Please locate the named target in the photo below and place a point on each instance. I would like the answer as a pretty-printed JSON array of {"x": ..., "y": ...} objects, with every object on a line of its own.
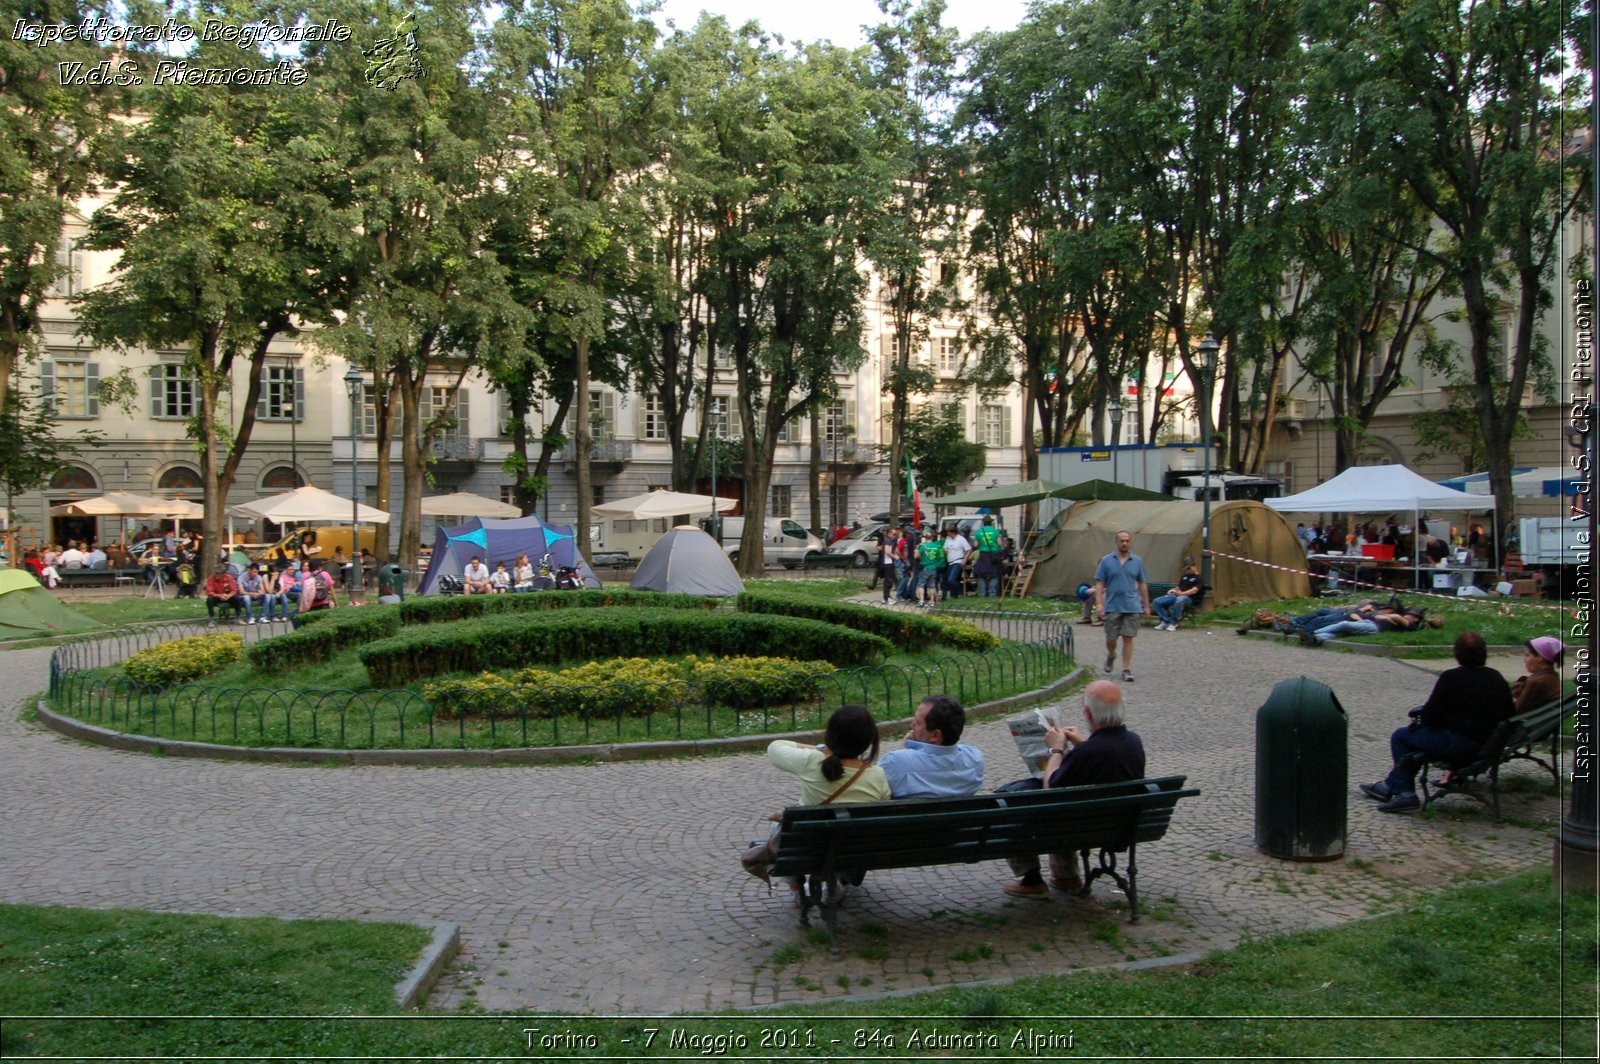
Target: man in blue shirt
[
  {"x": 1123, "y": 592},
  {"x": 934, "y": 763}
]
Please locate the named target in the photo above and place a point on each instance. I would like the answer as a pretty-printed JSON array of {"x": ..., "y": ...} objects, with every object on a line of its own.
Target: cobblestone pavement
[{"x": 614, "y": 887}]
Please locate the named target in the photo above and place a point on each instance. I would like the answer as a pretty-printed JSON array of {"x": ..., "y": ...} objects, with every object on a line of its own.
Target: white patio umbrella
[
  {"x": 466, "y": 504},
  {"x": 664, "y": 504},
  {"x": 118, "y": 504},
  {"x": 308, "y": 505}
]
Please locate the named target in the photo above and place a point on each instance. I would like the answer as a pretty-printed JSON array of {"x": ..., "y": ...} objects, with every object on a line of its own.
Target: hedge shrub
[
  {"x": 322, "y": 634},
  {"x": 183, "y": 659},
  {"x": 911, "y": 632},
  {"x": 632, "y": 686},
  {"x": 437, "y": 610},
  {"x": 508, "y": 641}
]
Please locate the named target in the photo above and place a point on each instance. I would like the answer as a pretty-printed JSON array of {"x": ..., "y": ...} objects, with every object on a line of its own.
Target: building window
[
  {"x": 73, "y": 386},
  {"x": 171, "y": 391},
  {"x": 281, "y": 478},
  {"x": 653, "y": 419},
  {"x": 602, "y": 415},
  {"x": 782, "y": 501},
  {"x": 69, "y": 267},
  {"x": 179, "y": 478},
  {"x": 508, "y": 494},
  {"x": 282, "y": 394},
  {"x": 435, "y": 400},
  {"x": 74, "y": 478},
  {"x": 994, "y": 425},
  {"x": 949, "y": 355},
  {"x": 838, "y": 421},
  {"x": 719, "y": 417},
  {"x": 953, "y": 411}
]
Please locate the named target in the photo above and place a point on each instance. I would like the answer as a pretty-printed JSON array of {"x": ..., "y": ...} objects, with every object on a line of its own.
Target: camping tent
[
  {"x": 501, "y": 541},
  {"x": 1164, "y": 533},
  {"x": 26, "y": 608},
  {"x": 1035, "y": 490},
  {"x": 688, "y": 562}
]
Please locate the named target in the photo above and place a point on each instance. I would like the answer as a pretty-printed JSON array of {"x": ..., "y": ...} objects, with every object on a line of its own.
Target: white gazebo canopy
[
  {"x": 666, "y": 504},
  {"x": 307, "y": 505}
]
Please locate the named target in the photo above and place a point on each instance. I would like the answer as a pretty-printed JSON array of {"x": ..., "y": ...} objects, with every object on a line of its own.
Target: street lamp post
[
  {"x": 1208, "y": 353},
  {"x": 1116, "y": 436},
  {"x": 352, "y": 388}
]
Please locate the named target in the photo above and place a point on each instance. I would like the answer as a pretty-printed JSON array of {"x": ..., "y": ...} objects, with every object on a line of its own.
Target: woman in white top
[
  {"x": 522, "y": 574},
  {"x": 844, "y": 761}
]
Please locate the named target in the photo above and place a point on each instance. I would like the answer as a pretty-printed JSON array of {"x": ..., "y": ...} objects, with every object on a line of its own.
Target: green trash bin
[
  {"x": 1302, "y": 772},
  {"x": 391, "y": 581}
]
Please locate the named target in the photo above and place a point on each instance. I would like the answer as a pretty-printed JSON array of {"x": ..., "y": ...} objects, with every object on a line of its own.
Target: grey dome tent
[{"x": 688, "y": 562}]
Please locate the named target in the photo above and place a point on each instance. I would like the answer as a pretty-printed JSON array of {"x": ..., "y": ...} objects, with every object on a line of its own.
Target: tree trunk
[
  {"x": 383, "y": 396},
  {"x": 814, "y": 471},
  {"x": 413, "y": 444},
  {"x": 581, "y": 444}
]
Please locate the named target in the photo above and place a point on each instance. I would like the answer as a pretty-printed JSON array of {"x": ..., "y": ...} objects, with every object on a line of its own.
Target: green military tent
[{"x": 27, "y": 609}]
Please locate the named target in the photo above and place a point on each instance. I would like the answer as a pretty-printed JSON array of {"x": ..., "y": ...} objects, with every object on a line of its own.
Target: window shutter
[
  {"x": 91, "y": 387},
  {"x": 1005, "y": 426},
  {"x": 47, "y": 383},
  {"x": 75, "y": 262},
  {"x": 641, "y": 417},
  {"x": 299, "y": 394},
  {"x": 463, "y": 412},
  {"x": 849, "y": 425},
  {"x": 156, "y": 377},
  {"x": 266, "y": 391}
]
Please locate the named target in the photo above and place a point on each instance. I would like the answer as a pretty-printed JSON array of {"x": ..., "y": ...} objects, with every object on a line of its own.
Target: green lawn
[{"x": 1485, "y": 972}]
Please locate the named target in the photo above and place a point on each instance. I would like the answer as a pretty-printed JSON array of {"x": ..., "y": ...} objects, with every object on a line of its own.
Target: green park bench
[
  {"x": 824, "y": 844},
  {"x": 1512, "y": 740}
]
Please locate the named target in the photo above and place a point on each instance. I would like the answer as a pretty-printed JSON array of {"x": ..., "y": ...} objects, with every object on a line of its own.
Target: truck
[
  {"x": 1554, "y": 547},
  {"x": 1175, "y": 469}
]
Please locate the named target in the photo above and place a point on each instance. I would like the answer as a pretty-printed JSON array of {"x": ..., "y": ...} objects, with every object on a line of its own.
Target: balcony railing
[
  {"x": 600, "y": 451},
  {"x": 454, "y": 449}
]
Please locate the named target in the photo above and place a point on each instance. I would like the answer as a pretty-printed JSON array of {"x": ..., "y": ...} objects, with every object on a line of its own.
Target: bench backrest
[
  {"x": 1535, "y": 726},
  {"x": 923, "y": 831}
]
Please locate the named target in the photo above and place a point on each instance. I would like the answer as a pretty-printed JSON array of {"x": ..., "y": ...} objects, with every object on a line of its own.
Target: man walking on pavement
[{"x": 1123, "y": 593}]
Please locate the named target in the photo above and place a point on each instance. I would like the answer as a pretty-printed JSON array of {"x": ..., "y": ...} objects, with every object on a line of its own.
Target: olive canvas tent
[
  {"x": 1243, "y": 533},
  {"x": 26, "y": 608},
  {"x": 686, "y": 561}
]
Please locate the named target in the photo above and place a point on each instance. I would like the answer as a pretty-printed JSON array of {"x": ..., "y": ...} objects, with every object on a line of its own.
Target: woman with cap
[{"x": 1542, "y": 683}]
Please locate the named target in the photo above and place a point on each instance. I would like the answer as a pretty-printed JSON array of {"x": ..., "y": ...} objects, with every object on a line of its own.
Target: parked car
[
  {"x": 857, "y": 548},
  {"x": 784, "y": 540}
]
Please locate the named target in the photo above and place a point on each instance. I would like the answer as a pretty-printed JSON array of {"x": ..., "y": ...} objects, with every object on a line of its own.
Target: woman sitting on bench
[{"x": 1542, "y": 683}]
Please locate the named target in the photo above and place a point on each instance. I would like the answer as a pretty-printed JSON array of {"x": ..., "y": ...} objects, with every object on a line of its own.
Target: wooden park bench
[
  {"x": 824, "y": 844},
  {"x": 1511, "y": 740}
]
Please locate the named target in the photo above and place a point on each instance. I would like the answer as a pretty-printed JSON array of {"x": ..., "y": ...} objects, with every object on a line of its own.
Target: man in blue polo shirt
[
  {"x": 934, "y": 763},
  {"x": 1123, "y": 592}
]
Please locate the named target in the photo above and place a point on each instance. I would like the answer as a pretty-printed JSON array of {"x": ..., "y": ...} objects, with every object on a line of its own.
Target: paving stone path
[{"x": 614, "y": 888}]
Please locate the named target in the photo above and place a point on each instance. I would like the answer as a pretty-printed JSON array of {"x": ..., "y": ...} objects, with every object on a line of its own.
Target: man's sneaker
[
  {"x": 1111, "y": 661},
  {"x": 1378, "y": 792},
  {"x": 1127, "y": 676},
  {"x": 1401, "y": 803},
  {"x": 1307, "y": 638}
]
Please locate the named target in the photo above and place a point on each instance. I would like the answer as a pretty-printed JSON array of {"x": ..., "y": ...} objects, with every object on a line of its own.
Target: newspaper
[{"x": 1027, "y": 731}]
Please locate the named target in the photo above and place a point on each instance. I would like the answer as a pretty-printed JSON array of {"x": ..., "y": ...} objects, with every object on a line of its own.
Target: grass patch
[
  {"x": 1530, "y": 952},
  {"x": 141, "y": 610}
]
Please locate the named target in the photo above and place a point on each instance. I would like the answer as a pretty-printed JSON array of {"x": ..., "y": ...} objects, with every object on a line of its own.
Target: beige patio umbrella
[
  {"x": 115, "y": 504},
  {"x": 466, "y": 504},
  {"x": 665, "y": 504},
  {"x": 308, "y": 505}
]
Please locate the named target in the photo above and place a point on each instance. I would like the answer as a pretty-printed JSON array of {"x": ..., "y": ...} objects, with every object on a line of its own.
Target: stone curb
[
  {"x": 413, "y": 990},
  {"x": 145, "y": 744}
]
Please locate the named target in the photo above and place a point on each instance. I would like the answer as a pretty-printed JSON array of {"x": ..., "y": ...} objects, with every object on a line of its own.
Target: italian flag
[{"x": 913, "y": 496}]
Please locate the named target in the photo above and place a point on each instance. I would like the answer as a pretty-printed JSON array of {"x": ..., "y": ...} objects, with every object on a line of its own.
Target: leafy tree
[
  {"x": 913, "y": 63},
  {"x": 1478, "y": 102},
  {"x": 30, "y": 451},
  {"x": 50, "y": 155},
  {"x": 226, "y": 215},
  {"x": 425, "y": 156},
  {"x": 572, "y": 70},
  {"x": 939, "y": 449}
]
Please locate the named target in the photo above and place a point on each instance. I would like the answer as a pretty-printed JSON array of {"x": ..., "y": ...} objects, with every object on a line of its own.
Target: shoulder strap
[{"x": 845, "y": 786}]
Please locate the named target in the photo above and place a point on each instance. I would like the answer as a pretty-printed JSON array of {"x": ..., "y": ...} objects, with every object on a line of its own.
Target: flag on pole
[{"x": 913, "y": 496}]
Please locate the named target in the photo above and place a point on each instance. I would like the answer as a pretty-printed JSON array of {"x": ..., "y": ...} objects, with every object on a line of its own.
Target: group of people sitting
[
  {"x": 934, "y": 763},
  {"x": 478, "y": 579},
  {"x": 269, "y": 591},
  {"x": 48, "y": 564},
  {"x": 925, "y": 567}
]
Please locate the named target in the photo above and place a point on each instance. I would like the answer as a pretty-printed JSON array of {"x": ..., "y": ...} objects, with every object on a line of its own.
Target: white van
[{"x": 784, "y": 540}]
